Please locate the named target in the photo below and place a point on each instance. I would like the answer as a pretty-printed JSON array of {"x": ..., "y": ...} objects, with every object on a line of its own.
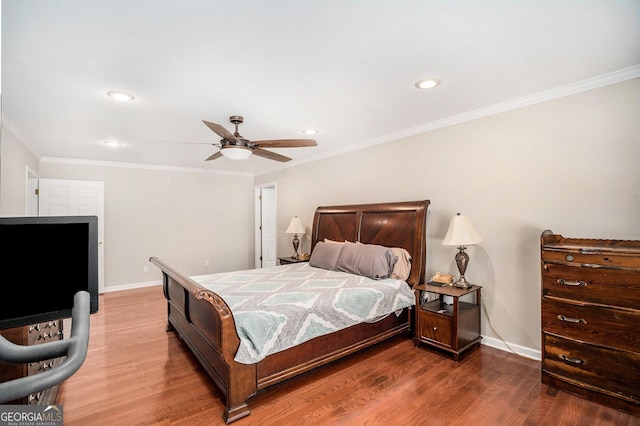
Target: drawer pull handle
[
  {"x": 572, "y": 283},
  {"x": 573, "y": 320},
  {"x": 588, "y": 251},
  {"x": 576, "y": 361}
]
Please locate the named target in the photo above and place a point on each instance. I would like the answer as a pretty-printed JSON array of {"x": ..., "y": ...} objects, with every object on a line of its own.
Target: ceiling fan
[{"x": 236, "y": 147}]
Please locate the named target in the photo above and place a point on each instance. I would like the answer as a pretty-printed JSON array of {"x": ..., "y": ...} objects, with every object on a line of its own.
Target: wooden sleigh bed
[{"x": 206, "y": 324}]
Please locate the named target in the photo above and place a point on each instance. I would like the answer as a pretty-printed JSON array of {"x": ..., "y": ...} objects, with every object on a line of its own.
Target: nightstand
[
  {"x": 451, "y": 327},
  {"x": 289, "y": 260}
]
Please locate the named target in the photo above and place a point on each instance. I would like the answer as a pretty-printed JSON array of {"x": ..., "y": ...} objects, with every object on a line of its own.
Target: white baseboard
[
  {"x": 512, "y": 347},
  {"x": 131, "y": 286}
]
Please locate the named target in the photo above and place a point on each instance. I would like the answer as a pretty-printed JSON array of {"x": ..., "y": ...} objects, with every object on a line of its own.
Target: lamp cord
[{"x": 484, "y": 308}]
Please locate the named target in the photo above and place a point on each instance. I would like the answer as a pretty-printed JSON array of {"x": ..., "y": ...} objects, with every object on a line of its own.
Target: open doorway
[{"x": 266, "y": 224}]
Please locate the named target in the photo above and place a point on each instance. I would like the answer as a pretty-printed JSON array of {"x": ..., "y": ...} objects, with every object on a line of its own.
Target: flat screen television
[{"x": 44, "y": 262}]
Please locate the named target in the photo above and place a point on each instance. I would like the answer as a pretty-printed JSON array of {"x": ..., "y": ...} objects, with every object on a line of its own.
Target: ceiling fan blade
[
  {"x": 192, "y": 143},
  {"x": 270, "y": 155},
  {"x": 285, "y": 143},
  {"x": 214, "y": 156},
  {"x": 221, "y": 131}
]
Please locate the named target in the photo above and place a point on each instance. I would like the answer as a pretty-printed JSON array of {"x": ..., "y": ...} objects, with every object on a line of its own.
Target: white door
[
  {"x": 75, "y": 198},
  {"x": 32, "y": 192},
  {"x": 266, "y": 227}
]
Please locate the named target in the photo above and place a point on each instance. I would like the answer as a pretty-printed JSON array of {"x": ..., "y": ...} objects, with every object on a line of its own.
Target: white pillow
[{"x": 402, "y": 269}]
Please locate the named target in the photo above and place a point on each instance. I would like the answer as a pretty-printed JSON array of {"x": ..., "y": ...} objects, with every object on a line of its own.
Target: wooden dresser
[
  {"x": 32, "y": 335},
  {"x": 591, "y": 319}
]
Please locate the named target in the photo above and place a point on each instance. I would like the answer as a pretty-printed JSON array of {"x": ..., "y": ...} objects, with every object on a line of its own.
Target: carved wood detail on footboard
[{"x": 205, "y": 323}]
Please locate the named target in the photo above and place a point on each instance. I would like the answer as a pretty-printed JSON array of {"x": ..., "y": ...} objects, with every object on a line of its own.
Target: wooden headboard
[{"x": 401, "y": 224}]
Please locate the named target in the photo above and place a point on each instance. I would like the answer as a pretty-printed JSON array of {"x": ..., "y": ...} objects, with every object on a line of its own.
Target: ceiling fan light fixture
[
  {"x": 121, "y": 96},
  {"x": 236, "y": 152},
  {"x": 427, "y": 84}
]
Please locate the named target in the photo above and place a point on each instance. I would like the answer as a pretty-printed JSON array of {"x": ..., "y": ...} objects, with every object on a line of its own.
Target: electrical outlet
[{"x": 145, "y": 269}]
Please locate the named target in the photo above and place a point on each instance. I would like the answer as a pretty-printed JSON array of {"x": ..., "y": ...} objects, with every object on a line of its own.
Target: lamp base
[
  {"x": 462, "y": 283},
  {"x": 462, "y": 260},
  {"x": 296, "y": 244}
]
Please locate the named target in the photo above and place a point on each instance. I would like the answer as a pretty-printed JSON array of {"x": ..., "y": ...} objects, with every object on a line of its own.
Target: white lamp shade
[
  {"x": 295, "y": 226},
  {"x": 461, "y": 232},
  {"x": 236, "y": 153}
]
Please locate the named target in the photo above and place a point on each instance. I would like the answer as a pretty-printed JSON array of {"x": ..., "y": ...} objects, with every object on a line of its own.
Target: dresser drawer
[
  {"x": 593, "y": 366},
  {"x": 592, "y": 257},
  {"x": 593, "y": 324},
  {"x": 34, "y": 334},
  {"x": 44, "y": 332},
  {"x": 42, "y": 366},
  {"x": 592, "y": 285}
]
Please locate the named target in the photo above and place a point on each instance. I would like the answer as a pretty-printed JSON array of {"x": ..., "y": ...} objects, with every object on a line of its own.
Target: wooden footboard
[{"x": 205, "y": 323}]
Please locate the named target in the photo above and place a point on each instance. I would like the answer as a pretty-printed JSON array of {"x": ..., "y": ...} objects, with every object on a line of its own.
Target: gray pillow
[
  {"x": 369, "y": 260},
  {"x": 325, "y": 255}
]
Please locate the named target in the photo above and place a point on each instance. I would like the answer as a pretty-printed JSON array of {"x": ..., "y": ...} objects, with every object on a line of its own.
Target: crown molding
[
  {"x": 619, "y": 76},
  {"x": 80, "y": 162},
  {"x": 9, "y": 126}
]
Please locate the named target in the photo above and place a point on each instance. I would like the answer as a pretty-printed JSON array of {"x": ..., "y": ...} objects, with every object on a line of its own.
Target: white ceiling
[{"x": 344, "y": 67}]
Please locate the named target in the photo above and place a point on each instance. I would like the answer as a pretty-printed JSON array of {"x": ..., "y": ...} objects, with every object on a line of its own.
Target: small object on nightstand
[
  {"x": 452, "y": 327},
  {"x": 440, "y": 279},
  {"x": 304, "y": 257}
]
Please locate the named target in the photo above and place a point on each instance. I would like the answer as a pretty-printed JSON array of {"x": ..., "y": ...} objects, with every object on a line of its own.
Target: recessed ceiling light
[
  {"x": 121, "y": 96},
  {"x": 310, "y": 132},
  {"x": 113, "y": 143},
  {"x": 427, "y": 84}
]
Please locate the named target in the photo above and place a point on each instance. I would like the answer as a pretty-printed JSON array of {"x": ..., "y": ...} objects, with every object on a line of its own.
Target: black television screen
[{"x": 45, "y": 261}]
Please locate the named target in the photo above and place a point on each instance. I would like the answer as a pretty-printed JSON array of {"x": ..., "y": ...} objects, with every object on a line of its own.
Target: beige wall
[
  {"x": 186, "y": 218},
  {"x": 15, "y": 158},
  {"x": 571, "y": 165}
]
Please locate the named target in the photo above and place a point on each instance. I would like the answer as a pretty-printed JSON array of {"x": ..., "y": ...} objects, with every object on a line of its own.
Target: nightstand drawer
[{"x": 436, "y": 327}]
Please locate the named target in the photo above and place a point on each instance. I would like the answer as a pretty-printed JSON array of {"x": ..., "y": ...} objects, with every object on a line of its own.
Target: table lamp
[
  {"x": 461, "y": 233},
  {"x": 295, "y": 228}
]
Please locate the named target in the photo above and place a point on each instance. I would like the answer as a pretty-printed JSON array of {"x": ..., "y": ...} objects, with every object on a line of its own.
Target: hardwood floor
[{"x": 136, "y": 373}]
